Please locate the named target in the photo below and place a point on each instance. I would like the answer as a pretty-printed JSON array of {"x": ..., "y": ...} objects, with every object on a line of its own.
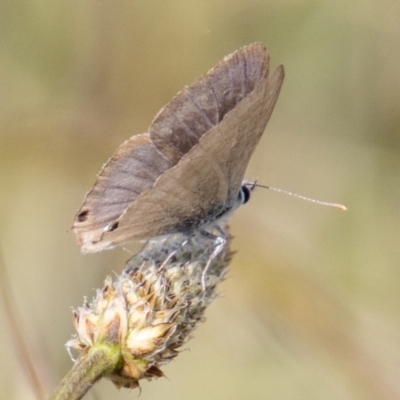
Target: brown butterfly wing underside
[{"x": 189, "y": 168}]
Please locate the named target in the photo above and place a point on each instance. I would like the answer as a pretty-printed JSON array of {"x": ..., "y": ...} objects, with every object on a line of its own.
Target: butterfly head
[{"x": 245, "y": 191}]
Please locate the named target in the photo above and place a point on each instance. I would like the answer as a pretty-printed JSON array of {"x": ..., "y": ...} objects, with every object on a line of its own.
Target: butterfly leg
[{"x": 219, "y": 244}]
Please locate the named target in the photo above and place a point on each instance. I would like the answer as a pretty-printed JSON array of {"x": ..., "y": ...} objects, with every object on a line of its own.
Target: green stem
[{"x": 98, "y": 362}]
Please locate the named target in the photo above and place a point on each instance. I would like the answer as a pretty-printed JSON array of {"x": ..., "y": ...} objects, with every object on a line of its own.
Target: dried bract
[{"x": 152, "y": 308}]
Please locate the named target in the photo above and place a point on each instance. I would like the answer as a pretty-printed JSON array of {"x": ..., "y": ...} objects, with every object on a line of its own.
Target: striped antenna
[{"x": 323, "y": 203}]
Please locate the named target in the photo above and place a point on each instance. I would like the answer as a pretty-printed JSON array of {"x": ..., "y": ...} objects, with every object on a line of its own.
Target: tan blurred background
[{"x": 311, "y": 309}]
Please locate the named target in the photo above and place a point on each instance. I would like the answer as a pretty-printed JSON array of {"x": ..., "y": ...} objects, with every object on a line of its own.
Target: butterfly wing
[
  {"x": 132, "y": 169},
  {"x": 201, "y": 106},
  {"x": 207, "y": 180},
  {"x": 250, "y": 120}
]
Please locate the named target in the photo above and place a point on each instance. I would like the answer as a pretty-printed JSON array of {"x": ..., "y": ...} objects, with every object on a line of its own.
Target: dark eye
[{"x": 244, "y": 194}]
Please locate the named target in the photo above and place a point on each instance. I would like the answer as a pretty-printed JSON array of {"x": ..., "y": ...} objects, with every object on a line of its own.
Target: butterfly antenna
[{"x": 323, "y": 203}]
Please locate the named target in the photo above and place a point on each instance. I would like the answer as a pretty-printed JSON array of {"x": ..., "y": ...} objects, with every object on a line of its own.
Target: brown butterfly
[{"x": 188, "y": 170}]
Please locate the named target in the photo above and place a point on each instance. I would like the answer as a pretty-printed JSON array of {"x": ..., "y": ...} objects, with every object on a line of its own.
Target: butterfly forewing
[
  {"x": 208, "y": 178},
  {"x": 198, "y": 108},
  {"x": 250, "y": 118}
]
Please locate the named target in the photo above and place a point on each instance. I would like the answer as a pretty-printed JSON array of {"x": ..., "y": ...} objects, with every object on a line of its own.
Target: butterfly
[{"x": 187, "y": 171}]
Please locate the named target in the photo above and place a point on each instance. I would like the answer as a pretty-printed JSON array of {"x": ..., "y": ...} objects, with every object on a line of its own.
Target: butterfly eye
[{"x": 244, "y": 194}]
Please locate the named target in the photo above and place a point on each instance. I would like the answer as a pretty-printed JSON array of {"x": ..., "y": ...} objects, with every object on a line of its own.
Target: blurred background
[{"x": 311, "y": 308}]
